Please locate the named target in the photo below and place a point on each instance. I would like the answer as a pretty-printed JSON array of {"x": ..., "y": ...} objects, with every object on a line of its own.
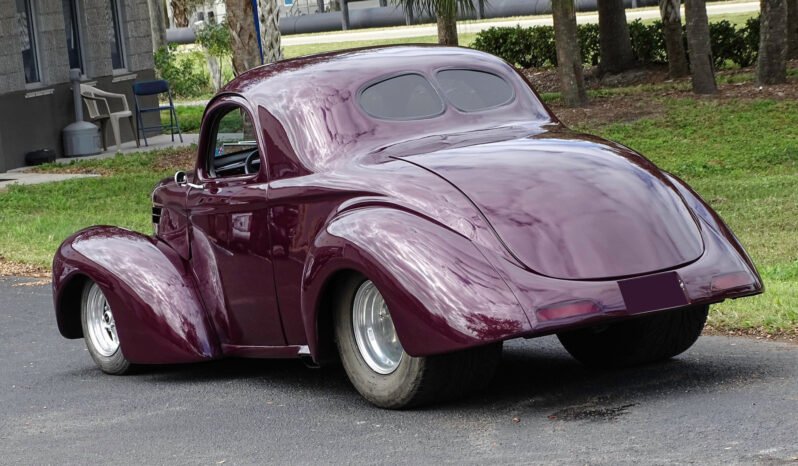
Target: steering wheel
[{"x": 249, "y": 163}]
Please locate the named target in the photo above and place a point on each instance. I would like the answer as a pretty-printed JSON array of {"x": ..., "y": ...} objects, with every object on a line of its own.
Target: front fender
[
  {"x": 442, "y": 293},
  {"x": 159, "y": 316}
]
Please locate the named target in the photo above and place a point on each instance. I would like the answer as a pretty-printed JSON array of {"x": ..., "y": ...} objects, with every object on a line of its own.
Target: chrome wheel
[
  {"x": 100, "y": 322},
  {"x": 375, "y": 334}
]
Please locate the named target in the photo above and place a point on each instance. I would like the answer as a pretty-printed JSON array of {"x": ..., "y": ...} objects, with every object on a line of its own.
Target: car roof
[
  {"x": 360, "y": 63},
  {"x": 313, "y": 98}
]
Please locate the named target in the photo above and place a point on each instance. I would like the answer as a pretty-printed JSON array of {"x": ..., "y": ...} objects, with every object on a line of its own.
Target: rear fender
[
  {"x": 159, "y": 316},
  {"x": 443, "y": 294}
]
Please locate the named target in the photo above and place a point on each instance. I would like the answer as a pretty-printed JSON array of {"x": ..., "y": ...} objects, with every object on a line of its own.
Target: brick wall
[
  {"x": 51, "y": 42},
  {"x": 12, "y": 75},
  {"x": 96, "y": 33},
  {"x": 139, "y": 38}
]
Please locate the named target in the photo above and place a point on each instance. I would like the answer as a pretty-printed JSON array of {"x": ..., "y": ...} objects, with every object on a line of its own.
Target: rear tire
[
  {"x": 99, "y": 331},
  {"x": 412, "y": 381},
  {"x": 637, "y": 341}
]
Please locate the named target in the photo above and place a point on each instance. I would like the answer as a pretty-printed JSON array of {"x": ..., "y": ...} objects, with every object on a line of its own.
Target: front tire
[
  {"x": 636, "y": 341},
  {"x": 383, "y": 372},
  {"x": 99, "y": 331}
]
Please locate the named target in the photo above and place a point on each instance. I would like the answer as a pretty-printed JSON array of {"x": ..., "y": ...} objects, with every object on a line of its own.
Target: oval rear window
[
  {"x": 405, "y": 97},
  {"x": 472, "y": 90}
]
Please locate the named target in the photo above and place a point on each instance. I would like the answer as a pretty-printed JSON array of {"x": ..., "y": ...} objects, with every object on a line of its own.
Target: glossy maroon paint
[{"x": 476, "y": 227}]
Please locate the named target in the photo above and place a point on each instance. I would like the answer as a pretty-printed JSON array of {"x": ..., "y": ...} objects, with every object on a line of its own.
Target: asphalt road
[{"x": 726, "y": 401}]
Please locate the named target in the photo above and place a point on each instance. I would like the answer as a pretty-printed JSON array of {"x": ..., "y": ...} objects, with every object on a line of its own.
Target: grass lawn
[
  {"x": 741, "y": 154},
  {"x": 742, "y": 157}
]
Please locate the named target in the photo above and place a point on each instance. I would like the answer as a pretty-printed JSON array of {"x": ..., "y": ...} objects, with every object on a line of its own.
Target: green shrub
[
  {"x": 534, "y": 47},
  {"x": 648, "y": 42},
  {"x": 186, "y": 71},
  {"x": 589, "y": 43},
  {"x": 524, "y": 47}
]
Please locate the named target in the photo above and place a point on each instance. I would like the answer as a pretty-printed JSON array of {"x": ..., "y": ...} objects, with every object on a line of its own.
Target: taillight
[
  {"x": 567, "y": 309},
  {"x": 730, "y": 281}
]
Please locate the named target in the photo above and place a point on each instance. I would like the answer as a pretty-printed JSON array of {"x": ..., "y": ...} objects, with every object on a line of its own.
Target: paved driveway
[{"x": 727, "y": 400}]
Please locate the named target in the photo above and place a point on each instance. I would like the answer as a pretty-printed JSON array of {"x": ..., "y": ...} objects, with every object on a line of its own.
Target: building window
[
  {"x": 72, "y": 28},
  {"x": 117, "y": 46},
  {"x": 27, "y": 34}
]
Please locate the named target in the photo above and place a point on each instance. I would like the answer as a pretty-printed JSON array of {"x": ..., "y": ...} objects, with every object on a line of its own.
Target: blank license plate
[{"x": 661, "y": 291}]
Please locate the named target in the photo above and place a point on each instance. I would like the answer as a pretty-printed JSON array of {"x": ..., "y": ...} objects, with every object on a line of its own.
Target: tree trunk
[
  {"x": 792, "y": 29},
  {"x": 157, "y": 24},
  {"x": 270, "y": 31},
  {"x": 179, "y": 13},
  {"x": 446, "y": 14},
  {"x": 771, "y": 66},
  {"x": 244, "y": 38},
  {"x": 674, "y": 44},
  {"x": 695, "y": 12},
  {"x": 569, "y": 60},
  {"x": 615, "y": 44}
]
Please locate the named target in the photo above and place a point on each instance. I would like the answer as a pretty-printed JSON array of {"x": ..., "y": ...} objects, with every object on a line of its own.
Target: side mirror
[{"x": 181, "y": 179}]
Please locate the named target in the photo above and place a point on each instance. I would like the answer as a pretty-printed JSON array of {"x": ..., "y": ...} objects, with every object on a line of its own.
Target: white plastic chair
[{"x": 93, "y": 97}]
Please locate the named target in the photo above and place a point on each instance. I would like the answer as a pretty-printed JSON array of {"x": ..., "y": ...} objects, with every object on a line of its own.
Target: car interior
[{"x": 235, "y": 148}]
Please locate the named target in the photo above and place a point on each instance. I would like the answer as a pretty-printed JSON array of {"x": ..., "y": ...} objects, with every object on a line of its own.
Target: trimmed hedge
[{"x": 533, "y": 47}]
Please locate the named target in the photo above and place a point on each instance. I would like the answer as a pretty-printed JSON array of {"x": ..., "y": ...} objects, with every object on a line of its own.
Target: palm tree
[
  {"x": 243, "y": 37},
  {"x": 445, "y": 12},
  {"x": 771, "y": 66},
  {"x": 698, "y": 44},
  {"x": 615, "y": 45},
  {"x": 569, "y": 59},
  {"x": 270, "y": 30},
  {"x": 674, "y": 43}
]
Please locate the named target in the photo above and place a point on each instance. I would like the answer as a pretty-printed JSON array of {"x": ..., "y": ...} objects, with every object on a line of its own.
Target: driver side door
[{"x": 229, "y": 235}]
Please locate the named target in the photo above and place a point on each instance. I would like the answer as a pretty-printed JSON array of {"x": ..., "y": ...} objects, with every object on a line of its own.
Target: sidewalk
[{"x": 161, "y": 141}]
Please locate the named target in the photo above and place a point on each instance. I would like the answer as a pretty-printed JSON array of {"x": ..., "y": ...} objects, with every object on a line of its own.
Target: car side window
[{"x": 234, "y": 147}]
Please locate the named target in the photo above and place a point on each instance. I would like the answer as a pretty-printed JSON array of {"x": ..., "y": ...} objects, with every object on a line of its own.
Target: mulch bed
[{"x": 627, "y": 108}]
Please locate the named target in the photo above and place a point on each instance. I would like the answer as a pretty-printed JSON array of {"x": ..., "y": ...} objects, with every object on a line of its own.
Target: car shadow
[{"x": 531, "y": 376}]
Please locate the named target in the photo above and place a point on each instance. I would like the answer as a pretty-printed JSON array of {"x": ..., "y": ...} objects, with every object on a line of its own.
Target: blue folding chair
[{"x": 155, "y": 87}]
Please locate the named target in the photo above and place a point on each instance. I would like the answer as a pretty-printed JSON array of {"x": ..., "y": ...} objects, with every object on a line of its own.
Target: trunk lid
[{"x": 571, "y": 206}]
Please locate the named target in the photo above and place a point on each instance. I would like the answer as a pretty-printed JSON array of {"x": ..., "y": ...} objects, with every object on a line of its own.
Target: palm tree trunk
[
  {"x": 446, "y": 17},
  {"x": 792, "y": 29},
  {"x": 771, "y": 67},
  {"x": 179, "y": 13},
  {"x": 569, "y": 60},
  {"x": 241, "y": 23},
  {"x": 157, "y": 24},
  {"x": 615, "y": 45},
  {"x": 270, "y": 31},
  {"x": 695, "y": 12},
  {"x": 674, "y": 43}
]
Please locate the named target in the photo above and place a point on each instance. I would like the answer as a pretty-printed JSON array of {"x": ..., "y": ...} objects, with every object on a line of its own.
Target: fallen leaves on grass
[
  {"x": 15, "y": 269},
  {"x": 759, "y": 333}
]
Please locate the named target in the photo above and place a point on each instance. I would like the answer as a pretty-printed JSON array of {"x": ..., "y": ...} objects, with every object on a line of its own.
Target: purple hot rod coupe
[{"x": 405, "y": 210}]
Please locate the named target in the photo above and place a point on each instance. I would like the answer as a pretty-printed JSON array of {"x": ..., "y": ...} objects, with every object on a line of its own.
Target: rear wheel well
[
  {"x": 325, "y": 326},
  {"x": 69, "y": 306}
]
